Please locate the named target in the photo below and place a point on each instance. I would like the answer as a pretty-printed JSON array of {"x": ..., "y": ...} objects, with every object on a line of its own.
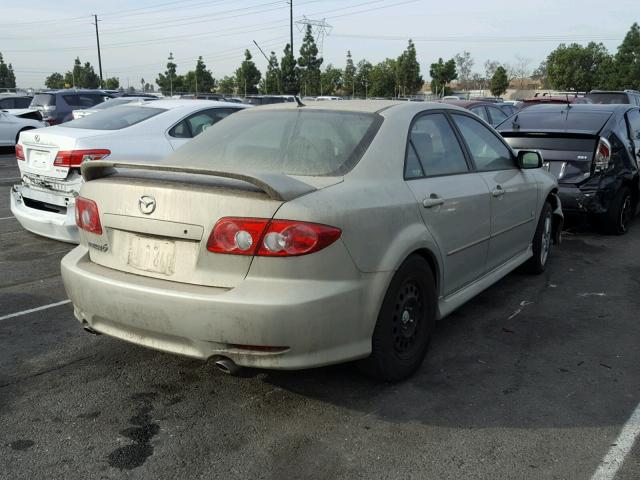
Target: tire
[
  {"x": 405, "y": 323},
  {"x": 620, "y": 213},
  {"x": 542, "y": 241}
]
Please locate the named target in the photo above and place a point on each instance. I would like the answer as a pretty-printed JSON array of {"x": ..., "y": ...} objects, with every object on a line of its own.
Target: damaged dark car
[{"x": 594, "y": 152}]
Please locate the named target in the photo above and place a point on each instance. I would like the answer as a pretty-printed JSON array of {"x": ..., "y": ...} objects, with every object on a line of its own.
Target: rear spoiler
[{"x": 278, "y": 186}]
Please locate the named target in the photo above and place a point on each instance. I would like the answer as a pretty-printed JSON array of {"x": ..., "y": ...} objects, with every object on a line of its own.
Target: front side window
[
  {"x": 197, "y": 123},
  {"x": 488, "y": 152},
  {"x": 433, "y": 149}
]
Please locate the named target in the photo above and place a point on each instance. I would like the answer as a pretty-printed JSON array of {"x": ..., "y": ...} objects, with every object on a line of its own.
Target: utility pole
[
  {"x": 95, "y": 17},
  {"x": 170, "y": 76},
  {"x": 291, "y": 26}
]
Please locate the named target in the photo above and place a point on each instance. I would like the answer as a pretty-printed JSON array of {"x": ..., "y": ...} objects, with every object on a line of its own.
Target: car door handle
[
  {"x": 432, "y": 201},
  {"x": 498, "y": 191}
]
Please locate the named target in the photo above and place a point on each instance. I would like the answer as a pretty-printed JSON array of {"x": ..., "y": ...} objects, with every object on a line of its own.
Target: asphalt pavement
[{"x": 533, "y": 379}]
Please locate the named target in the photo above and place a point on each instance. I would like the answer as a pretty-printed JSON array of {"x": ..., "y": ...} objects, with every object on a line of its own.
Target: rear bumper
[
  {"x": 589, "y": 198},
  {"x": 321, "y": 322},
  {"x": 48, "y": 224}
]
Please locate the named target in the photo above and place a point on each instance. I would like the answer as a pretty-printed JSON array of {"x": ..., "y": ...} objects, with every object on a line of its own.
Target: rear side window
[
  {"x": 497, "y": 115},
  {"x": 197, "y": 123},
  {"x": 115, "y": 118},
  {"x": 43, "y": 100},
  {"x": 22, "y": 102},
  {"x": 433, "y": 149},
  {"x": 481, "y": 112},
  {"x": 295, "y": 142},
  {"x": 7, "y": 103},
  {"x": 488, "y": 152}
]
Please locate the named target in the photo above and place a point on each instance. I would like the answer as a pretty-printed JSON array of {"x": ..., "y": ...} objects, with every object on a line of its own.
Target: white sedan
[
  {"x": 50, "y": 159},
  {"x": 11, "y": 127}
]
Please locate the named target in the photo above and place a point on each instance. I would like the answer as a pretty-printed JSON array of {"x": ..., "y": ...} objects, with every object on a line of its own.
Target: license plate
[
  {"x": 152, "y": 255},
  {"x": 39, "y": 159}
]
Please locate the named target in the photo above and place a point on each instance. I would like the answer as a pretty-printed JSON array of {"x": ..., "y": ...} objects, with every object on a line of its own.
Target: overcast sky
[{"x": 136, "y": 37}]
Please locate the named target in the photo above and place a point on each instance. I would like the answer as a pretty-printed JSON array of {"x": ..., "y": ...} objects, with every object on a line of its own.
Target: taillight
[
  {"x": 19, "y": 152},
  {"x": 87, "y": 216},
  {"x": 269, "y": 238},
  {"x": 75, "y": 158},
  {"x": 603, "y": 156}
]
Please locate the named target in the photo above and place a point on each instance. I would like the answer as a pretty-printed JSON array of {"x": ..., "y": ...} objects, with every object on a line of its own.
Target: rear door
[
  {"x": 7, "y": 129},
  {"x": 514, "y": 192},
  {"x": 453, "y": 200},
  {"x": 633, "y": 121}
]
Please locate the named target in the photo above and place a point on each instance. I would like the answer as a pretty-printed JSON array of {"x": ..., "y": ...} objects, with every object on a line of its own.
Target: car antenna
[
  {"x": 514, "y": 122},
  {"x": 568, "y": 102},
  {"x": 299, "y": 102}
]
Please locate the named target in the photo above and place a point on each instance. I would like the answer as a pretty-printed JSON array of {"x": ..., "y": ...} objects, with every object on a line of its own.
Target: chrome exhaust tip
[{"x": 228, "y": 366}]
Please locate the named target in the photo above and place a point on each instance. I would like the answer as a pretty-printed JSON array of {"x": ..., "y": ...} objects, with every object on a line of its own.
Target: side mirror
[{"x": 528, "y": 159}]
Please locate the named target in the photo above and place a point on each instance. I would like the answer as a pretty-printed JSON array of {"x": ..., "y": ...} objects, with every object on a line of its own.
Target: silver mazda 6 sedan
[{"x": 294, "y": 236}]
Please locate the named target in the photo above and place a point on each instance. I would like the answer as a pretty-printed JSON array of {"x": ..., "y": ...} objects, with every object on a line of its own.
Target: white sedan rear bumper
[{"x": 41, "y": 222}]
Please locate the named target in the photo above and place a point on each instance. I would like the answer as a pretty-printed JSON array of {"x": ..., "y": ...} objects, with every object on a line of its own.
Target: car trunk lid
[
  {"x": 569, "y": 157},
  {"x": 41, "y": 147},
  {"x": 169, "y": 240}
]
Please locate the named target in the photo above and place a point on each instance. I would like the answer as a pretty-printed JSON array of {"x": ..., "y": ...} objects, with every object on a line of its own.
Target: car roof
[
  {"x": 467, "y": 103},
  {"x": 360, "y": 106},
  {"x": 182, "y": 103},
  {"x": 578, "y": 107}
]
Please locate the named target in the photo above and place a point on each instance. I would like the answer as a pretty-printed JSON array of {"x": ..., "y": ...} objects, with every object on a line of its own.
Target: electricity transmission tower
[{"x": 319, "y": 29}]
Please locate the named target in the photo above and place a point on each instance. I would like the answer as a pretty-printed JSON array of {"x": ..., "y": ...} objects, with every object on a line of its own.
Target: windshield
[
  {"x": 294, "y": 142},
  {"x": 114, "y": 103},
  {"x": 608, "y": 98},
  {"x": 43, "y": 100},
  {"x": 115, "y": 118}
]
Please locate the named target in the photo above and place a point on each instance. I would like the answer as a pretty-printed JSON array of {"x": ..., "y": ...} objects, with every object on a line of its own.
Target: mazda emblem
[{"x": 147, "y": 204}]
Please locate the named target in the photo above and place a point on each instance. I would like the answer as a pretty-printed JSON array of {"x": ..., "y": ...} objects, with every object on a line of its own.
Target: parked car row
[{"x": 297, "y": 235}]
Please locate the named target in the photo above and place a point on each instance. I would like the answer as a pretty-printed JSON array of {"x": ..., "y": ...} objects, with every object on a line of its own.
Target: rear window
[
  {"x": 536, "y": 119},
  {"x": 294, "y": 142},
  {"x": 43, "y": 100},
  {"x": 114, "y": 103},
  {"x": 609, "y": 97},
  {"x": 115, "y": 118}
]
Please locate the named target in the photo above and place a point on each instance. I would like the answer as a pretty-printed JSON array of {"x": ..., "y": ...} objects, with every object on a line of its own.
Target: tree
[
  {"x": 204, "y": 78},
  {"x": 330, "y": 80},
  {"x": 227, "y": 85},
  {"x": 464, "y": 64},
  {"x": 247, "y": 75},
  {"x": 55, "y": 80},
  {"x": 7, "y": 77},
  {"x": 309, "y": 64},
  {"x": 627, "y": 60},
  {"x": 363, "y": 78},
  {"x": 112, "y": 83},
  {"x": 383, "y": 79},
  {"x": 521, "y": 68},
  {"x": 169, "y": 82},
  {"x": 408, "y": 71},
  {"x": 349, "y": 76},
  {"x": 290, "y": 77},
  {"x": 540, "y": 74},
  {"x": 442, "y": 73},
  {"x": 490, "y": 67},
  {"x": 578, "y": 68},
  {"x": 499, "y": 82},
  {"x": 273, "y": 77},
  {"x": 82, "y": 76}
]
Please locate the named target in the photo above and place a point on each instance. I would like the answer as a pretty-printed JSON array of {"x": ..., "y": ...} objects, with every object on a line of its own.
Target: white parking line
[
  {"x": 7, "y": 218},
  {"x": 37, "y": 309},
  {"x": 10, "y": 178},
  {"x": 620, "y": 448}
]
